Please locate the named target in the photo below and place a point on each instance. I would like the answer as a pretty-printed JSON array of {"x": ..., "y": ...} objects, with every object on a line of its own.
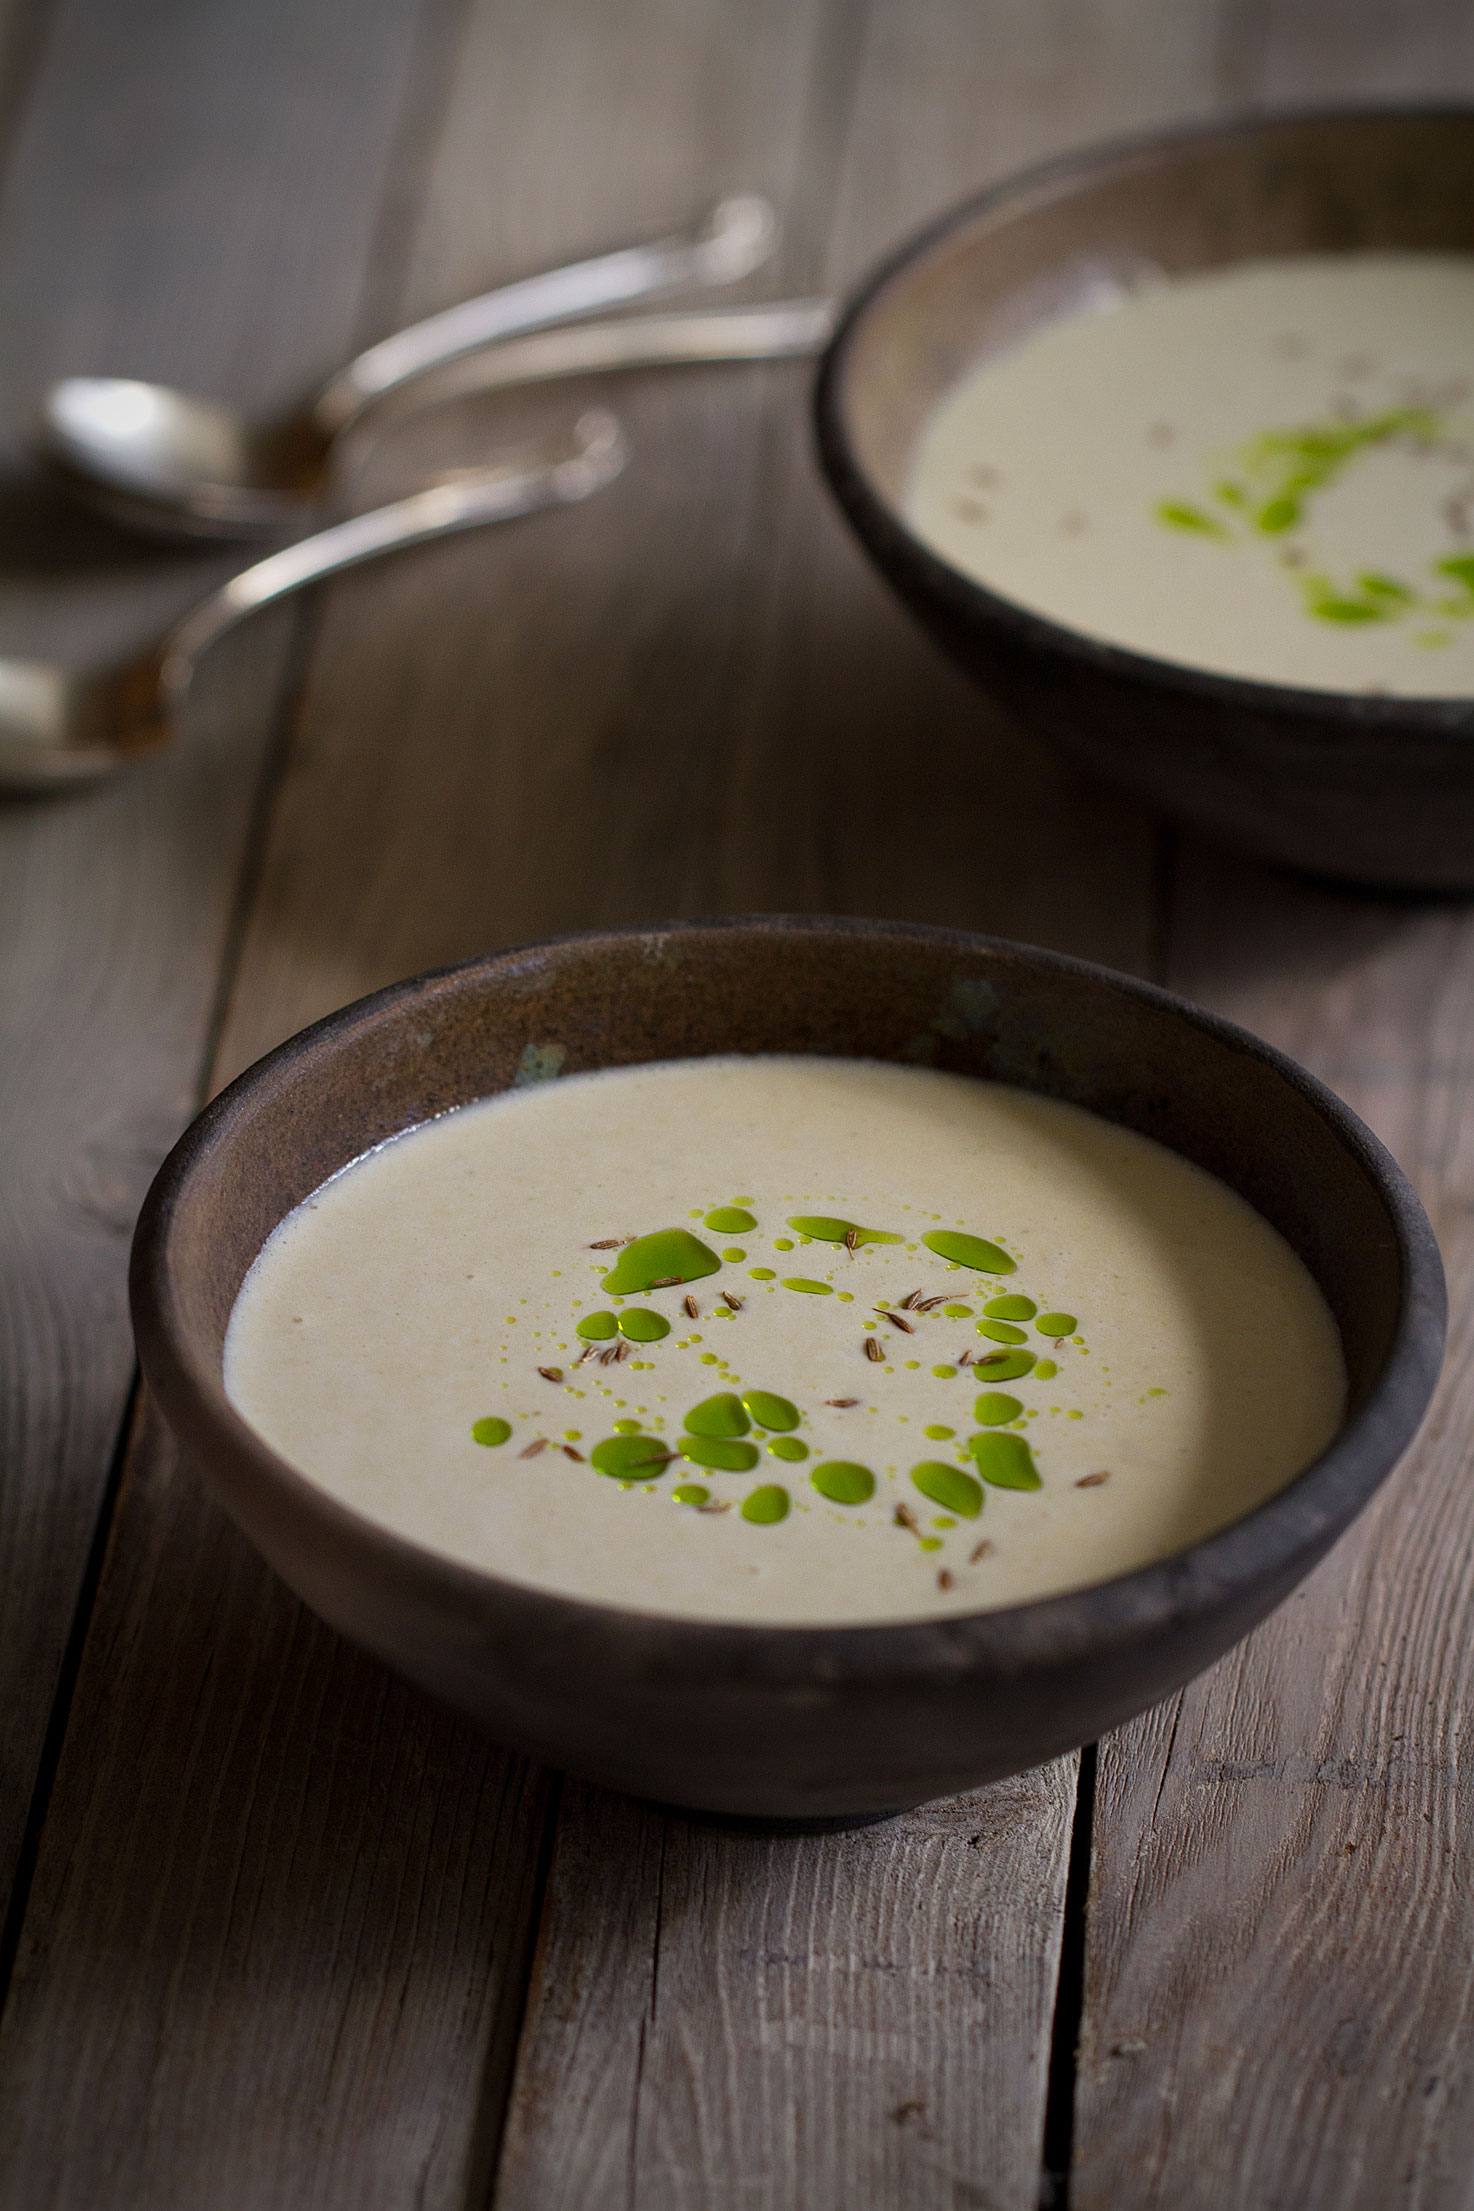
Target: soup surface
[
  {"x": 1266, "y": 472},
  {"x": 786, "y": 1339}
]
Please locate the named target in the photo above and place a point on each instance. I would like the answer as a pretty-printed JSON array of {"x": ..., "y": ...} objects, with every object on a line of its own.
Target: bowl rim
[
  {"x": 1448, "y": 714},
  {"x": 1284, "y": 1535}
]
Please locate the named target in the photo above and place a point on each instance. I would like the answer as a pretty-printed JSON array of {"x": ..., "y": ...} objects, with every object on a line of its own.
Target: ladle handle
[
  {"x": 466, "y": 500},
  {"x": 737, "y": 238}
]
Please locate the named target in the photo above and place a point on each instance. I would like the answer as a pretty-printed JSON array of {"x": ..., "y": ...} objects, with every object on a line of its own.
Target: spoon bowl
[{"x": 172, "y": 465}]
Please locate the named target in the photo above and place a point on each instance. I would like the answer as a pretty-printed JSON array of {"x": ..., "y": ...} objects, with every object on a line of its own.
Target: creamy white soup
[
  {"x": 1266, "y": 472},
  {"x": 786, "y": 1339}
]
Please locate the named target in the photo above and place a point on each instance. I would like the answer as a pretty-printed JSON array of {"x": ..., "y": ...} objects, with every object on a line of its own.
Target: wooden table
[{"x": 282, "y": 1933}]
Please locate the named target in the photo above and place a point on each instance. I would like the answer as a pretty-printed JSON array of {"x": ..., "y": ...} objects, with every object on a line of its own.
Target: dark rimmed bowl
[
  {"x": 1364, "y": 789},
  {"x": 783, "y": 1722}
]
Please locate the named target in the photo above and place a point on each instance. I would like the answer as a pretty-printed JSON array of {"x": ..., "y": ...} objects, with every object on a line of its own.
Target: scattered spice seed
[
  {"x": 983, "y": 1550},
  {"x": 895, "y": 1320},
  {"x": 904, "y": 1304},
  {"x": 851, "y": 1238},
  {"x": 586, "y": 1353},
  {"x": 964, "y": 1358},
  {"x": 657, "y": 1458},
  {"x": 734, "y": 1302},
  {"x": 714, "y": 1508},
  {"x": 906, "y": 1518},
  {"x": 570, "y": 1453},
  {"x": 1092, "y": 1481},
  {"x": 844, "y": 1403},
  {"x": 607, "y": 1358},
  {"x": 665, "y": 1282},
  {"x": 930, "y": 1304},
  {"x": 541, "y": 1444},
  {"x": 621, "y": 1351},
  {"x": 611, "y": 1243},
  {"x": 551, "y": 1374},
  {"x": 873, "y": 1350},
  {"x": 944, "y": 1579},
  {"x": 692, "y": 1308}
]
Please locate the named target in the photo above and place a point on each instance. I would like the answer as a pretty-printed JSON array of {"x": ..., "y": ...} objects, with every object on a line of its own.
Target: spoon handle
[
  {"x": 737, "y": 237},
  {"x": 466, "y": 500}
]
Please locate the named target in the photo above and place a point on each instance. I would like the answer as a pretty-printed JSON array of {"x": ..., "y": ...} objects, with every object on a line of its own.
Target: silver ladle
[
  {"x": 62, "y": 727},
  {"x": 172, "y": 464}
]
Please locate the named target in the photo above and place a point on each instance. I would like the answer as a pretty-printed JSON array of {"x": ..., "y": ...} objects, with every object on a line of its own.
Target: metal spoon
[
  {"x": 164, "y": 461},
  {"x": 60, "y": 726}
]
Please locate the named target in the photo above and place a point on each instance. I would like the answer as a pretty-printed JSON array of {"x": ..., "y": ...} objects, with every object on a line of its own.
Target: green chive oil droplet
[
  {"x": 939, "y": 1434},
  {"x": 1010, "y": 1308},
  {"x": 720, "y": 1453},
  {"x": 598, "y": 1327},
  {"x": 718, "y": 1416},
  {"x": 491, "y": 1430},
  {"x": 1056, "y": 1324},
  {"x": 968, "y": 1251},
  {"x": 788, "y": 1447},
  {"x": 1003, "y": 1366},
  {"x": 995, "y": 1407},
  {"x": 627, "y": 1427},
  {"x": 730, "y": 1220},
  {"x": 690, "y": 1493},
  {"x": 770, "y": 1411},
  {"x": 949, "y": 1487},
  {"x": 1045, "y": 1371},
  {"x": 809, "y": 1288},
  {"x": 1005, "y": 1461},
  {"x": 640, "y": 1325},
  {"x": 766, "y": 1506},
  {"x": 827, "y": 1229},
  {"x": 630, "y": 1458},
  {"x": 669, "y": 1257},
  {"x": 843, "y": 1483},
  {"x": 957, "y": 1312},
  {"x": 1001, "y": 1331}
]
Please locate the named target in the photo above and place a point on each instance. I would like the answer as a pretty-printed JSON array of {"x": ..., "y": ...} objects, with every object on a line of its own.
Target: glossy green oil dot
[
  {"x": 640, "y": 1325},
  {"x": 630, "y": 1458},
  {"x": 843, "y": 1483},
  {"x": 827, "y": 1228},
  {"x": 788, "y": 1447},
  {"x": 943, "y": 1520},
  {"x": 1046, "y": 1370},
  {"x": 770, "y": 1411},
  {"x": 1004, "y": 1460},
  {"x": 929, "y": 1542},
  {"x": 598, "y": 1327},
  {"x": 627, "y": 1427},
  {"x": 782, "y": 1243},
  {"x": 730, "y": 1220},
  {"x": 720, "y": 1453},
  {"x": 765, "y": 1506},
  {"x": 689, "y": 1493},
  {"x": 995, "y": 1407},
  {"x": 718, "y": 1416},
  {"x": 949, "y": 1487},
  {"x": 1003, "y": 1366},
  {"x": 1010, "y": 1308},
  {"x": 1056, "y": 1324},
  {"x": 735, "y": 1254},
  {"x": 710, "y": 1359},
  {"x": 761, "y": 1274},
  {"x": 846, "y": 1297},
  {"x": 1001, "y": 1331},
  {"x": 670, "y": 1256},
  {"x": 491, "y": 1430},
  {"x": 957, "y": 1312},
  {"x": 938, "y": 1433},
  {"x": 809, "y": 1287},
  {"x": 968, "y": 1251},
  {"x": 944, "y": 1374}
]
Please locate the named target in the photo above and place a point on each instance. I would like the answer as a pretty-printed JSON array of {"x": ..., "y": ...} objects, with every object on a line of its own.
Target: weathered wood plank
[
  {"x": 150, "y": 221},
  {"x": 1277, "y": 1998}
]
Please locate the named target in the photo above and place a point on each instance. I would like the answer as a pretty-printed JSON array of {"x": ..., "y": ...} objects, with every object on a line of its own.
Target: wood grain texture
[
  {"x": 828, "y": 2020},
  {"x": 149, "y": 221},
  {"x": 1277, "y": 2000}
]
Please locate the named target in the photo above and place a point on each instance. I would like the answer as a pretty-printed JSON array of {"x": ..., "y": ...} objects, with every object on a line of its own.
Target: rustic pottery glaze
[
  {"x": 1365, "y": 789},
  {"x": 788, "y": 1723}
]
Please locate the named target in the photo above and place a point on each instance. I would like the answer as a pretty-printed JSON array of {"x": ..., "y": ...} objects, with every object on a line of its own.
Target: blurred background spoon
[
  {"x": 62, "y": 727},
  {"x": 174, "y": 465}
]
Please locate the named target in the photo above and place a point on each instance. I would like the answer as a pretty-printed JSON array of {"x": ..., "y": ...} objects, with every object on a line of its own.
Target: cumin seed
[
  {"x": 905, "y": 1303},
  {"x": 895, "y": 1320},
  {"x": 905, "y": 1518},
  {"x": 570, "y": 1453},
  {"x": 551, "y": 1374},
  {"x": 983, "y": 1550},
  {"x": 1092, "y": 1481},
  {"x": 844, "y": 1403},
  {"x": 714, "y": 1508},
  {"x": 734, "y": 1302},
  {"x": 692, "y": 1307},
  {"x": 607, "y": 1358},
  {"x": 532, "y": 1450},
  {"x": 930, "y": 1304},
  {"x": 873, "y": 1350},
  {"x": 851, "y": 1238},
  {"x": 944, "y": 1579},
  {"x": 611, "y": 1243},
  {"x": 665, "y": 1282}
]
